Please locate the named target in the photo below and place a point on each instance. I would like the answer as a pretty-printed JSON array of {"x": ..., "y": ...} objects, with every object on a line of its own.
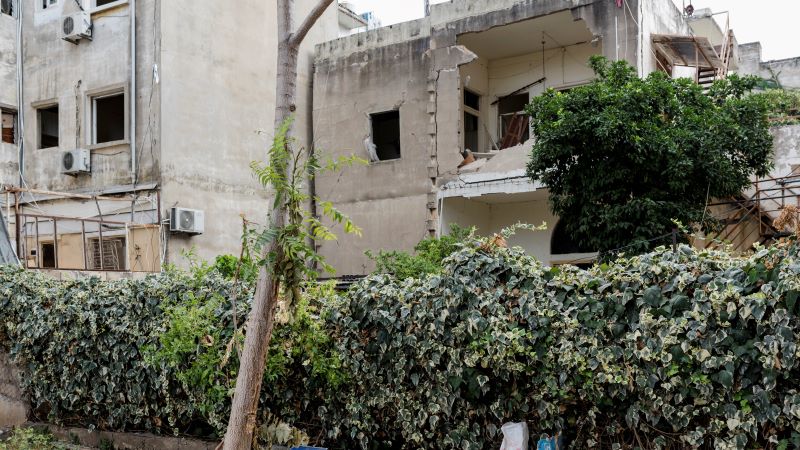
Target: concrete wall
[
  {"x": 8, "y": 92},
  {"x": 69, "y": 74},
  {"x": 786, "y": 144},
  {"x": 219, "y": 67},
  {"x": 785, "y": 71},
  {"x": 13, "y": 408},
  {"x": 419, "y": 68},
  {"x": 657, "y": 17}
]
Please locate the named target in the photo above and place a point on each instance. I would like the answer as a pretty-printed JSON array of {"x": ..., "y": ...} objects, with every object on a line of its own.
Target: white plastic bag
[{"x": 515, "y": 436}]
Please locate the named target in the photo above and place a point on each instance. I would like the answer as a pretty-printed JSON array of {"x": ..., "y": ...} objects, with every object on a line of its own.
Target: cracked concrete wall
[{"x": 219, "y": 66}]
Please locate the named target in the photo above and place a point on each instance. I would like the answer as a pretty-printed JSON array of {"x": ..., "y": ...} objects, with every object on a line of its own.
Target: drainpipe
[
  {"x": 134, "y": 176},
  {"x": 20, "y": 107}
]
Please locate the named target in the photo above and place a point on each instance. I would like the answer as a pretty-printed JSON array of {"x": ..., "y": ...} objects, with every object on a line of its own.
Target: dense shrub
[
  {"x": 665, "y": 350},
  {"x": 427, "y": 258},
  {"x": 157, "y": 354},
  {"x": 686, "y": 349}
]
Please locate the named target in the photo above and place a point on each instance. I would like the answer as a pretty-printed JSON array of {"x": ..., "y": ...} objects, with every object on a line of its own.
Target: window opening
[
  {"x": 108, "y": 118},
  {"x": 7, "y": 7},
  {"x": 386, "y": 135},
  {"x": 513, "y": 122},
  {"x": 472, "y": 100},
  {"x": 99, "y": 3},
  {"x": 113, "y": 257},
  {"x": 8, "y": 119},
  {"x": 48, "y": 3},
  {"x": 48, "y": 127}
]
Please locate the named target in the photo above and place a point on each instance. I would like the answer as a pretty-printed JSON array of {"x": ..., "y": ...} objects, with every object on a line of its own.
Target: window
[
  {"x": 48, "y": 126},
  {"x": 512, "y": 121},
  {"x": 108, "y": 118},
  {"x": 472, "y": 100},
  {"x": 7, "y": 7},
  {"x": 113, "y": 256},
  {"x": 386, "y": 135},
  {"x": 99, "y": 3},
  {"x": 48, "y": 3},
  {"x": 8, "y": 119}
]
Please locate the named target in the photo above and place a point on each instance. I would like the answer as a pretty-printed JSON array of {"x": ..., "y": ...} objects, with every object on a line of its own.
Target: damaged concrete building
[
  {"x": 436, "y": 106},
  {"x": 129, "y": 126}
]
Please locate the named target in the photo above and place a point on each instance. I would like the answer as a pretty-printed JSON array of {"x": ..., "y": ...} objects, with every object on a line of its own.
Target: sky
[{"x": 772, "y": 22}]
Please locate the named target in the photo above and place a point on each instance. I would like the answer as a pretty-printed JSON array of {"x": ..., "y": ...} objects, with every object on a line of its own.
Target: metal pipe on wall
[{"x": 134, "y": 168}]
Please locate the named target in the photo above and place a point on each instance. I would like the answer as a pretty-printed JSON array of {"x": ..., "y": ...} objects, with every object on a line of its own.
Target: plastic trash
[
  {"x": 515, "y": 436},
  {"x": 550, "y": 443}
]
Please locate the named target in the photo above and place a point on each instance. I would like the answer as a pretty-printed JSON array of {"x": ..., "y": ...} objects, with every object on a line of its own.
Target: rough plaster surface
[
  {"x": 13, "y": 409},
  {"x": 786, "y": 71}
]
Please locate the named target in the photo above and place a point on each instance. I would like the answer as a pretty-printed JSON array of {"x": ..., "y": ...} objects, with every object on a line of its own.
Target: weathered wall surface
[
  {"x": 787, "y": 150},
  {"x": 13, "y": 408},
  {"x": 219, "y": 67},
  {"x": 56, "y": 71},
  {"x": 8, "y": 92},
  {"x": 657, "y": 17},
  {"x": 388, "y": 200},
  {"x": 784, "y": 71}
]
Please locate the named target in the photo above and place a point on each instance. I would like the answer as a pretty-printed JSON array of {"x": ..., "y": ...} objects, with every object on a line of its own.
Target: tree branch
[{"x": 297, "y": 37}]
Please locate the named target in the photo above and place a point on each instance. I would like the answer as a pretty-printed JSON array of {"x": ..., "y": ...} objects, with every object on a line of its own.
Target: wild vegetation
[
  {"x": 663, "y": 350},
  {"x": 664, "y": 148}
]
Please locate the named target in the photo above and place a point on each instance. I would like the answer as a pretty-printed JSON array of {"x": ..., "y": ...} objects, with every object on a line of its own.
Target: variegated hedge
[{"x": 683, "y": 349}]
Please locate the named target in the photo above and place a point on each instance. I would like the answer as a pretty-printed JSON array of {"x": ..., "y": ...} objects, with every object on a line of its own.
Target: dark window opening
[
  {"x": 113, "y": 255},
  {"x": 386, "y": 135},
  {"x": 48, "y": 256},
  {"x": 48, "y": 3},
  {"x": 563, "y": 243},
  {"x": 471, "y": 133},
  {"x": 109, "y": 118},
  {"x": 514, "y": 127},
  {"x": 7, "y": 7},
  {"x": 48, "y": 127},
  {"x": 472, "y": 100},
  {"x": 99, "y": 3},
  {"x": 8, "y": 119}
]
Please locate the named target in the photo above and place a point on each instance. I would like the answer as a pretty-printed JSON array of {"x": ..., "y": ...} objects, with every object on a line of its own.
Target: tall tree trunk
[{"x": 241, "y": 425}]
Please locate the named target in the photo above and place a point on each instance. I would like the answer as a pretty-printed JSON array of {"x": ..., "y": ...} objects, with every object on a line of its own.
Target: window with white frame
[{"x": 108, "y": 118}]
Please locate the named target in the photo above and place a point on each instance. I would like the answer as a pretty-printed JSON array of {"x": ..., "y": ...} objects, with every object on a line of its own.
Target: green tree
[{"x": 623, "y": 157}]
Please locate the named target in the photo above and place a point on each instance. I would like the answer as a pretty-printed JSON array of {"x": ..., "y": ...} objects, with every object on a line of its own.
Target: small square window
[
  {"x": 48, "y": 3},
  {"x": 386, "y": 135},
  {"x": 48, "y": 126},
  {"x": 8, "y": 120},
  {"x": 108, "y": 118},
  {"x": 99, "y": 3}
]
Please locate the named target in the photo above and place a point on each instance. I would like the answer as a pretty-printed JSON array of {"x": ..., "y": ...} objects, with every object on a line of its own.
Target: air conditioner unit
[
  {"x": 191, "y": 221},
  {"x": 77, "y": 26},
  {"x": 76, "y": 161}
]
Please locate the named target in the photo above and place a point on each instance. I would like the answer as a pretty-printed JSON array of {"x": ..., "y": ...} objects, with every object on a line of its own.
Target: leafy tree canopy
[{"x": 623, "y": 157}]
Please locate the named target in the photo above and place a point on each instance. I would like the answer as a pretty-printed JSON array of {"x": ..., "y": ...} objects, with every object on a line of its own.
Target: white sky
[{"x": 773, "y": 22}]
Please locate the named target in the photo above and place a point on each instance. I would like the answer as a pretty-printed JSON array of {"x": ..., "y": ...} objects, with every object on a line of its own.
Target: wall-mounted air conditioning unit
[
  {"x": 76, "y": 161},
  {"x": 77, "y": 26},
  {"x": 191, "y": 221}
]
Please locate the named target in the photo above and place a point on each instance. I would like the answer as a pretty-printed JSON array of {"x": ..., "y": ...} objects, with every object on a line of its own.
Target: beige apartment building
[{"x": 129, "y": 126}]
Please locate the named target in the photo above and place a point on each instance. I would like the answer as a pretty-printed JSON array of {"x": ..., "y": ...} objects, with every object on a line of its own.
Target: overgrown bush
[
  {"x": 426, "y": 259},
  {"x": 665, "y": 350},
  {"x": 157, "y": 354},
  {"x": 686, "y": 349},
  {"x": 783, "y": 104}
]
